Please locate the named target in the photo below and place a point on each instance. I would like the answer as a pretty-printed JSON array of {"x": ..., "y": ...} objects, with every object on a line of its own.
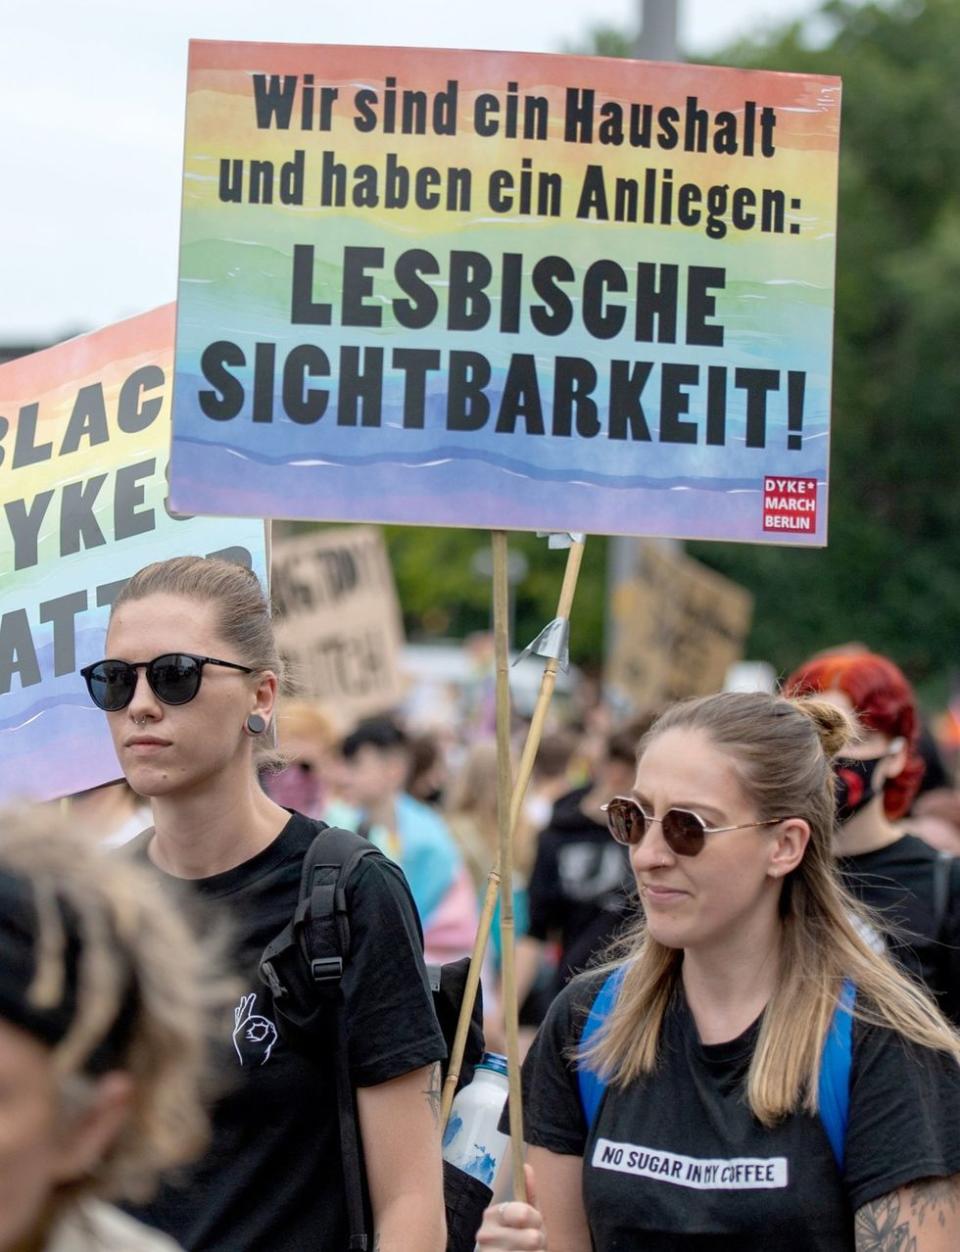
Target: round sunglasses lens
[
  {"x": 626, "y": 821},
  {"x": 111, "y": 684},
  {"x": 683, "y": 832},
  {"x": 174, "y": 679}
]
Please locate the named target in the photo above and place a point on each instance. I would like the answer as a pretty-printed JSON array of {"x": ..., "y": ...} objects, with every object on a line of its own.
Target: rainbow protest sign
[
  {"x": 520, "y": 291},
  {"x": 84, "y": 443}
]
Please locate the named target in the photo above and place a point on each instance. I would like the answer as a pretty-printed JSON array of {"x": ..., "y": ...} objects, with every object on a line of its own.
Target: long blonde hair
[
  {"x": 471, "y": 813},
  {"x": 781, "y": 751},
  {"x": 130, "y": 934}
]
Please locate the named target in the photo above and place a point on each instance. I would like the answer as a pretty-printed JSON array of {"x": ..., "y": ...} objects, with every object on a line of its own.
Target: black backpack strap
[
  {"x": 942, "y": 870},
  {"x": 325, "y": 934},
  {"x": 303, "y": 966},
  {"x": 351, "y": 1152},
  {"x": 322, "y": 916},
  {"x": 307, "y": 957}
]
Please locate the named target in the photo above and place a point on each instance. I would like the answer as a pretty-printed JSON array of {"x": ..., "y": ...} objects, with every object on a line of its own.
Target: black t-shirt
[
  {"x": 679, "y": 1158},
  {"x": 271, "y": 1179},
  {"x": 897, "y": 882},
  {"x": 581, "y": 886}
]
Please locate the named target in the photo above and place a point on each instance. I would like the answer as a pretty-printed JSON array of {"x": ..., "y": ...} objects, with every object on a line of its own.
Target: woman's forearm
[{"x": 405, "y": 1225}]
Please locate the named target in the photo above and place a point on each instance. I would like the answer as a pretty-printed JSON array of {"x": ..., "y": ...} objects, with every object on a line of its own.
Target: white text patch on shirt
[{"x": 743, "y": 1173}]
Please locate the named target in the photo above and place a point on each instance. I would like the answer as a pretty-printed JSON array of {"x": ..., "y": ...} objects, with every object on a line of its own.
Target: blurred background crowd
[
  {"x": 424, "y": 790},
  {"x": 426, "y": 794}
]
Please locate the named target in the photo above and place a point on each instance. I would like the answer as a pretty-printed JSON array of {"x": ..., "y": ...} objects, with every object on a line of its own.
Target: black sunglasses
[
  {"x": 683, "y": 832},
  {"x": 174, "y": 678}
]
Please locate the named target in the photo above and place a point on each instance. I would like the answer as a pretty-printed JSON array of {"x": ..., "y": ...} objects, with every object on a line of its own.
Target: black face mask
[{"x": 854, "y": 784}]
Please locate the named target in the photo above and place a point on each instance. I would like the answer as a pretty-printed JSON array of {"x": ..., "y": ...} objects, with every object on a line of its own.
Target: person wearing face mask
[
  {"x": 913, "y": 891},
  {"x": 305, "y": 739}
]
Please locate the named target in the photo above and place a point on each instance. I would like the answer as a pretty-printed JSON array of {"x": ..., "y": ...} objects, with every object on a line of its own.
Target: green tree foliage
[
  {"x": 608, "y": 41},
  {"x": 443, "y": 595},
  {"x": 891, "y": 573}
]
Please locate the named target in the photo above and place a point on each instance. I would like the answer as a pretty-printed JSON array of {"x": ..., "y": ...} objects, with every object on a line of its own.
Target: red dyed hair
[{"x": 883, "y": 701}]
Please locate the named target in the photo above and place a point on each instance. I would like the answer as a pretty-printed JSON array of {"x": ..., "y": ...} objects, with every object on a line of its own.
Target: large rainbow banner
[
  {"x": 84, "y": 444},
  {"x": 518, "y": 291}
]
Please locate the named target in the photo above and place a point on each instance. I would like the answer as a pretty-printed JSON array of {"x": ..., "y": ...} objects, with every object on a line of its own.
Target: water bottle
[{"x": 471, "y": 1140}]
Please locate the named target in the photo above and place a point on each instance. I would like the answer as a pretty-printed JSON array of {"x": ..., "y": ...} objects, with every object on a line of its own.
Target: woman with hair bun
[
  {"x": 106, "y": 1007},
  {"x": 750, "y": 1074},
  {"x": 914, "y": 892},
  {"x": 189, "y": 685}
]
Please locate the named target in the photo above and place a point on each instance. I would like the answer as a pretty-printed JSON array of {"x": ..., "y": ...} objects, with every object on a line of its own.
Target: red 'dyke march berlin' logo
[{"x": 790, "y": 504}]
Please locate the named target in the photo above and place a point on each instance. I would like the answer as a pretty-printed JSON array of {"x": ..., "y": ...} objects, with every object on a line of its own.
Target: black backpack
[{"x": 303, "y": 967}]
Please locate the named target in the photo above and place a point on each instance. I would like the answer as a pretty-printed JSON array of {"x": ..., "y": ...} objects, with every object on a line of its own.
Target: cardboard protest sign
[
  {"x": 680, "y": 627},
  {"x": 517, "y": 291},
  {"x": 84, "y": 443},
  {"x": 338, "y": 619}
]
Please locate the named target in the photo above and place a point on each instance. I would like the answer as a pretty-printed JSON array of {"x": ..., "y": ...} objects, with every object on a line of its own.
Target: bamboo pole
[
  {"x": 527, "y": 759},
  {"x": 504, "y": 804},
  {"x": 470, "y": 994},
  {"x": 548, "y": 682}
]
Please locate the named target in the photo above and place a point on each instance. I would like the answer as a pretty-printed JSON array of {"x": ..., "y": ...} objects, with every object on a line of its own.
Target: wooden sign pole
[
  {"x": 501, "y": 639},
  {"x": 517, "y": 793}
]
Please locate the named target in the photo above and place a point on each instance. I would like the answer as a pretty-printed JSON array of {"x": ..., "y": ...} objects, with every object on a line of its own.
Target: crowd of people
[{"x": 739, "y": 964}]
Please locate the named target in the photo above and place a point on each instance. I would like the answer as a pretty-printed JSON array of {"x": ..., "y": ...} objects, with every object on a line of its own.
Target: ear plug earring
[{"x": 255, "y": 724}]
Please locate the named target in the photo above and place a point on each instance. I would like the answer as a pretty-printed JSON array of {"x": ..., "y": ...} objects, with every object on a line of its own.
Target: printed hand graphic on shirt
[{"x": 253, "y": 1035}]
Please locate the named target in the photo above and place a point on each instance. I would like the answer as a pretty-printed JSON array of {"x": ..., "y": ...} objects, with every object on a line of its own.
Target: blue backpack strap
[
  {"x": 591, "y": 1085},
  {"x": 835, "y": 1065}
]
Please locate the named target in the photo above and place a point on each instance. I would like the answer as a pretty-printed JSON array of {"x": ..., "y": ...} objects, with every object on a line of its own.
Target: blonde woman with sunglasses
[{"x": 709, "y": 1133}]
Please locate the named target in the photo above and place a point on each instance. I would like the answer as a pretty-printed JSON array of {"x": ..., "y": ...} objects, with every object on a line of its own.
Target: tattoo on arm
[
  {"x": 883, "y": 1226},
  {"x": 434, "y": 1092},
  {"x": 878, "y": 1228},
  {"x": 935, "y": 1198}
]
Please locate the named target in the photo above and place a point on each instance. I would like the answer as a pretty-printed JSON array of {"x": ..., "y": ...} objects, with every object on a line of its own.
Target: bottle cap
[{"x": 494, "y": 1061}]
